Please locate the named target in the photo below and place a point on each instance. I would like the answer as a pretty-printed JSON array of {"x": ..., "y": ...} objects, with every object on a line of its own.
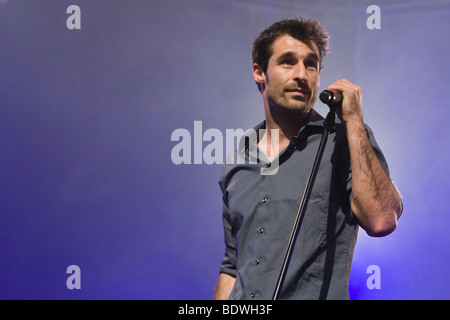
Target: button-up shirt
[{"x": 259, "y": 212}]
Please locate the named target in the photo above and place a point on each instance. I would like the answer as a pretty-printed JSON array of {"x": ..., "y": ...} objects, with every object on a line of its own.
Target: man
[{"x": 352, "y": 187}]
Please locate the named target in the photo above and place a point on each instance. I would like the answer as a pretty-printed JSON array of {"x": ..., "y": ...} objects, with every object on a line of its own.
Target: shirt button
[
  {"x": 261, "y": 230},
  {"x": 252, "y": 294},
  {"x": 264, "y": 200},
  {"x": 257, "y": 261}
]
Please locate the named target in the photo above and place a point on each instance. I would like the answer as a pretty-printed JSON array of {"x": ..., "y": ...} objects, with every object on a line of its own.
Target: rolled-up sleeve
[{"x": 228, "y": 264}]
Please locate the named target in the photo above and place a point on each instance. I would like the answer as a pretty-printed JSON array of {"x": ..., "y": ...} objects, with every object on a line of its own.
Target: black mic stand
[{"x": 328, "y": 125}]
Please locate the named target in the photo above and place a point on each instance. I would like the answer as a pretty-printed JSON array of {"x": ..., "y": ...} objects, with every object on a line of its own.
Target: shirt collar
[{"x": 248, "y": 143}]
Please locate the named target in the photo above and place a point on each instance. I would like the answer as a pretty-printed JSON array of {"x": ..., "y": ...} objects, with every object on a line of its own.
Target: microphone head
[{"x": 326, "y": 96}]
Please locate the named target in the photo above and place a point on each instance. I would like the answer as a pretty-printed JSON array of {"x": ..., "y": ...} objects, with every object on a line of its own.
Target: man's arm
[
  {"x": 224, "y": 286},
  {"x": 375, "y": 202}
]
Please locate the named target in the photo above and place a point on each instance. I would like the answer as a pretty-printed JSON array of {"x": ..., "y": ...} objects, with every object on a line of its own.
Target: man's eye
[
  {"x": 287, "y": 62},
  {"x": 311, "y": 65}
]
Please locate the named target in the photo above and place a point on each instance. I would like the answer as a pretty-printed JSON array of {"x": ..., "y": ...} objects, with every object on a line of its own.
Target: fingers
[
  {"x": 346, "y": 87},
  {"x": 351, "y": 108}
]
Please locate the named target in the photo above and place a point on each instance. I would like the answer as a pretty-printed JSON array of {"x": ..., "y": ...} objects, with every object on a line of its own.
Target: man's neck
[{"x": 287, "y": 123}]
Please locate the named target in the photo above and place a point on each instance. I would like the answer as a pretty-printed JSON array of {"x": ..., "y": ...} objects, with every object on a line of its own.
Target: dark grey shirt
[{"x": 259, "y": 212}]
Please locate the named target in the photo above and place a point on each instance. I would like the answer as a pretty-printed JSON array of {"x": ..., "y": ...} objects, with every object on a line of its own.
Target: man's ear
[{"x": 258, "y": 75}]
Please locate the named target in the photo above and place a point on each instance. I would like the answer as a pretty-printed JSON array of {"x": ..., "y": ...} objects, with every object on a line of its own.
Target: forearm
[
  {"x": 375, "y": 200},
  {"x": 224, "y": 286}
]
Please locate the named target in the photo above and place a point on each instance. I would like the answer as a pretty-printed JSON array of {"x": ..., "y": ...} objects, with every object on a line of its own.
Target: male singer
[{"x": 352, "y": 187}]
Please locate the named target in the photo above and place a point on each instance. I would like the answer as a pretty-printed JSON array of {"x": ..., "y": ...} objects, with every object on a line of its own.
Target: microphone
[{"x": 330, "y": 96}]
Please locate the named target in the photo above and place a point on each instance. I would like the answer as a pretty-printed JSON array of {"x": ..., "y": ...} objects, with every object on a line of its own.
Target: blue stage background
[{"x": 86, "y": 117}]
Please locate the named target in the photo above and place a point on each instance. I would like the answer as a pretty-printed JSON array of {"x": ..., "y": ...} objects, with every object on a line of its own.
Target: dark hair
[{"x": 296, "y": 28}]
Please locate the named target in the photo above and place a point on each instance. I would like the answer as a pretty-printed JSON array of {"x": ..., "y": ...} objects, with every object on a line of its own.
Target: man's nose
[{"x": 300, "y": 73}]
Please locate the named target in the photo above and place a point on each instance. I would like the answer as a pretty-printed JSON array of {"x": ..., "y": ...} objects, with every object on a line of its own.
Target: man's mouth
[{"x": 299, "y": 91}]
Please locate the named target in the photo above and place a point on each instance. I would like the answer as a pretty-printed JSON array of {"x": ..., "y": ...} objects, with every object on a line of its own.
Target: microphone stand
[{"x": 328, "y": 125}]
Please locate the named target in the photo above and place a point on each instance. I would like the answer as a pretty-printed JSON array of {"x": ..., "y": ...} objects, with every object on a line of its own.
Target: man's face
[{"x": 292, "y": 77}]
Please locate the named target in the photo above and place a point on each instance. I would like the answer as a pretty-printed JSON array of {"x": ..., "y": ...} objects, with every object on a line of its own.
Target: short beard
[{"x": 293, "y": 107}]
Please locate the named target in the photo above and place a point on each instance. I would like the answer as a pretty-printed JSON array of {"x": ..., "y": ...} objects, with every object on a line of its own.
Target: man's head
[{"x": 287, "y": 59}]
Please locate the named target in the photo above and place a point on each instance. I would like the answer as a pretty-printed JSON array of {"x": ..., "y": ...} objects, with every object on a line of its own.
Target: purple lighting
[{"x": 86, "y": 118}]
